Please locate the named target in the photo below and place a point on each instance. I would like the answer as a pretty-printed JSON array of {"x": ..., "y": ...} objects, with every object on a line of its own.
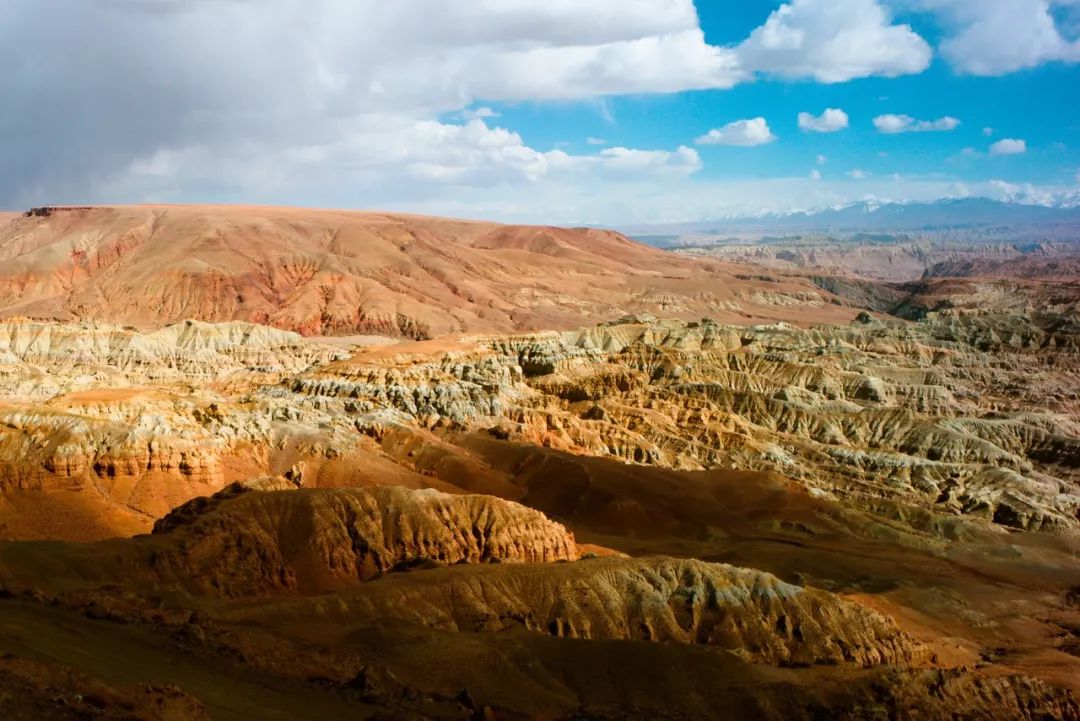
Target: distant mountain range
[{"x": 963, "y": 214}]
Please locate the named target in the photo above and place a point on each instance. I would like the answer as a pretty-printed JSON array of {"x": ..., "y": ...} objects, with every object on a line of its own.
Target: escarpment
[{"x": 91, "y": 355}]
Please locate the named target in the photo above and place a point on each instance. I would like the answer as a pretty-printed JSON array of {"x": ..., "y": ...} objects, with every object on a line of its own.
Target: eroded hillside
[
  {"x": 349, "y": 273},
  {"x": 772, "y": 520}
]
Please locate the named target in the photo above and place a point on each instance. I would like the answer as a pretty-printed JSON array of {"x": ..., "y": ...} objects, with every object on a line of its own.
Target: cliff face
[
  {"x": 247, "y": 544},
  {"x": 670, "y": 519},
  {"x": 280, "y": 583}
]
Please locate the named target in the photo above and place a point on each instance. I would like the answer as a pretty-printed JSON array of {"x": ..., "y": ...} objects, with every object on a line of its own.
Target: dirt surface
[
  {"x": 739, "y": 501},
  {"x": 344, "y": 273}
]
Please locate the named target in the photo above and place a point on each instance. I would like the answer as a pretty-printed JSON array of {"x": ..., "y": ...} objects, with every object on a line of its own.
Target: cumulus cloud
[
  {"x": 237, "y": 101},
  {"x": 993, "y": 37},
  {"x": 988, "y": 132},
  {"x": 830, "y": 121},
  {"x": 744, "y": 133},
  {"x": 481, "y": 112},
  {"x": 702, "y": 198},
  {"x": 355, "y": 103},
  {"x": 834, "y": 41},
  {"x": 892, "y": 124},
  {"x": 815, "y": 175},
  {"x": 596, "y": 141},
  {"x": 310, "y": 103},
  {"x": 427, "y": 152},
  {"x": 1030, "y": 194},
  {"x": 821, "y": 160},
  {"x": 857, "y": 174},
  {"x": 1008, "y": 146}
]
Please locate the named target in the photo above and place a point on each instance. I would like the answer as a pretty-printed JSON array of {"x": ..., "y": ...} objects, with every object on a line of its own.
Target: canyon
[{"x": 274, "y": 463}]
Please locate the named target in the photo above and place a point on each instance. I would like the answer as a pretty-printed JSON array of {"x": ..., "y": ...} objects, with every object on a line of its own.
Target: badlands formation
[{"x": 573, "y": 478}]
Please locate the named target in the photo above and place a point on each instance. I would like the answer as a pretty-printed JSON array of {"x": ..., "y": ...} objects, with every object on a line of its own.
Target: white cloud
[
  {"x": 834, "y": 41},
  {"x": 1030, "y": 194},
  {"x": 1008, "y": 146},
  {"x": 596, "y": 141},
  {"x": 354, "y": 103},
  {"x": 576, "y": 201},
  {"x": 683, "y": 161},
  {"x": 821, "y": 160},
  {"x": 892, "y": 124},
  {"x": 235, "y": 84},
  {"x": 744, "y": 133},
  {"x": 830, "y": 121},
  {"x": 235, "y": 97},
  {"x": 857, "y": 174},
  {"x": 396, "y": 160},
  {"x": 478, "y": 113},
  {"x": 993, "y": 37},
  {"x": 987, "y": 132},
  {"x": 815, "y": 175}
]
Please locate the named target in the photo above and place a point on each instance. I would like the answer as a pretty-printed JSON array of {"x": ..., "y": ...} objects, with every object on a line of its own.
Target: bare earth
[
  {"x": 749, "y": 503},
  {"x": 352, "y": 273}
]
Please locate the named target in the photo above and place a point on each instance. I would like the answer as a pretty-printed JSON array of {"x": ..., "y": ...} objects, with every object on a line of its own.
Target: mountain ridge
[
  {"x": 352, "y": 272},
  {"x": 867, "y": 215}
]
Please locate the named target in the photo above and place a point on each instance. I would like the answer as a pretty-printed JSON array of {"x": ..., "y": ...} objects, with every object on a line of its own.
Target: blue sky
[
  {"x": 1034, "y": 105},
  {"x": 1040, "y": 105},
  {"x": 610, "y": 112}
]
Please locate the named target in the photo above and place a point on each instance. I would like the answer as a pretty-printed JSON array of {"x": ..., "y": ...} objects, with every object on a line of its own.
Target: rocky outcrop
[
  {"x": 956, "y": 693},
  {"x": 70, "y": 357},
  {"x": 873, "y": 412},
  {"x": 752, "y": 614},
  {"x": 306, "y": 541},
  {"x": 877, "y": 413}
]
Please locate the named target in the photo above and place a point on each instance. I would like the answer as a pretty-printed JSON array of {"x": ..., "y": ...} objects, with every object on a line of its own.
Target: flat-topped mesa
[
  {"x": 323, "y": 272},
  {"x": 312, "y": 541}
]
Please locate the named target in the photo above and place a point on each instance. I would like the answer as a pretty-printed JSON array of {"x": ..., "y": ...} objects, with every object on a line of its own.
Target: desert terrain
[
  {"x": 347, "y": 273},
  {"x": 271, "y": 463}
]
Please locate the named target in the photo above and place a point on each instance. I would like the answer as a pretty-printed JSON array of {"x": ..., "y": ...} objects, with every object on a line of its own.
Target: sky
[{"x": 609, "y": 112}]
